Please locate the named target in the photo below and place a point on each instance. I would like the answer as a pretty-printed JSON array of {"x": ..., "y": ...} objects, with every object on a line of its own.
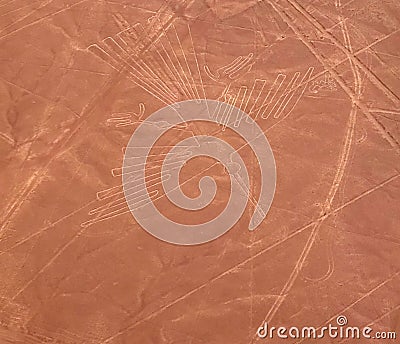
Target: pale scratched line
[
  {"x": 176, "y": 75},
  {"x": 198, "y": 68},
  {"x": 267, "y": 101},
  {"x": 78, "y": 234},
  {"x": 157, "y": 83},
  {"x": 326, "y": 207},
  {"x": 166, "y": 70},
  {"x": 47, "y": 2},
  {"x": 108, "y": 216},
  {"x": 376, "y": 320},
  {"x": 183, "y": 84},
  {"x": 153, "y": 75},
  {"x": 244, "y": 262},
  {"x": 258, "y": 95},
  {"x": 285, "y": 99},
  {"x": 307, "y": 77},
  {"x": 383, "y": 316},
  {"x": 47, "y": 100},
  {"x": 386, "y": 54},
  {"x": 351, "y": 305},
  {"x": 373, "y": 78},
  {"x": 187, "y": 83},
  {"x": 45, "y": 229},
  {"x": 193, "y": 86},
  {"x": 164, "y": 84},
  {"x": 358, "y": 52},
  {"x": 38, "y": 175},
  {"x": 132, "y": 76},
  {"x": 377, "y": 41},
  {"x": 50, "y": 262},
  {"x": 193, "y": 291},
  {"x": 385, "y": 134},
  {"x": 6, "y": 2},
  {"x": 153, "y": 83},
  {"x": 25, "y": 192},
  {"x": 16, "y": 9},
  {"x": 68, "y": 7},
  {"x": 232, "y": 64},
  {"x": 358, "y": 90},
  {"x": 7, "y": 139},
  {"x": 386, "y": 111},
  {"x": 121, "y": 201},
  {"x": 140, "y": 188}
]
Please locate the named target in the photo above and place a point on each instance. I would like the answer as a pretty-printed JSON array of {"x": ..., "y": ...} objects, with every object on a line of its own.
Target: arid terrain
[{"x": 320, "y": 78}]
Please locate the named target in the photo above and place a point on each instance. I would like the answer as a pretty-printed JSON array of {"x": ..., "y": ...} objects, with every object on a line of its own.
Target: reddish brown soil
[{"x": 75, "y": 267}]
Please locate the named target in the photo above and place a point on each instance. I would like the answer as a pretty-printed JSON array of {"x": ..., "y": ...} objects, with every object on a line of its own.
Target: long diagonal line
[
  {"x": 68, "y": 7},
  {"x": 138, "y": 78},
  {"x": 357, "y": 301},
  {"x": 245, "y": 261},
  {"x": 198, "y": 68},
  {"x": 378, "y": 126},
  {"x": 133, "y": 74},
  {"x": 78, "y": 234},
  {"x": 300, "y": 263},
  {"x": 371, "y": 76},
  {"x": 142, "y": 69},
  {"x": 193, "y": 86},
  {"x": 38, "y": 176},
  {"x": 185, "y": 85},
  {"x": 316, "y": 227},
  {"x": 33, "y": 235},
  {"x": 358, "y": 52}
]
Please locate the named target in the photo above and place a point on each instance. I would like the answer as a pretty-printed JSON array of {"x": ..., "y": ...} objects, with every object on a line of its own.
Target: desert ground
[{"x": 321, "y": 80}]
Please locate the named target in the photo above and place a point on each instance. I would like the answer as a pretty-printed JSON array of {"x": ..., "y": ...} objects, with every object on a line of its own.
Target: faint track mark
[
  {"x": 339, "y": 173},
  {"x": 351, "y": 305},
  {"x": 372, "y": 77},
  {"x": 68, "y": 7},
  {"x": 40, "y": 174},
  {"x": 377, "y": 125},
  {"x": 244, "y": 262}
]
